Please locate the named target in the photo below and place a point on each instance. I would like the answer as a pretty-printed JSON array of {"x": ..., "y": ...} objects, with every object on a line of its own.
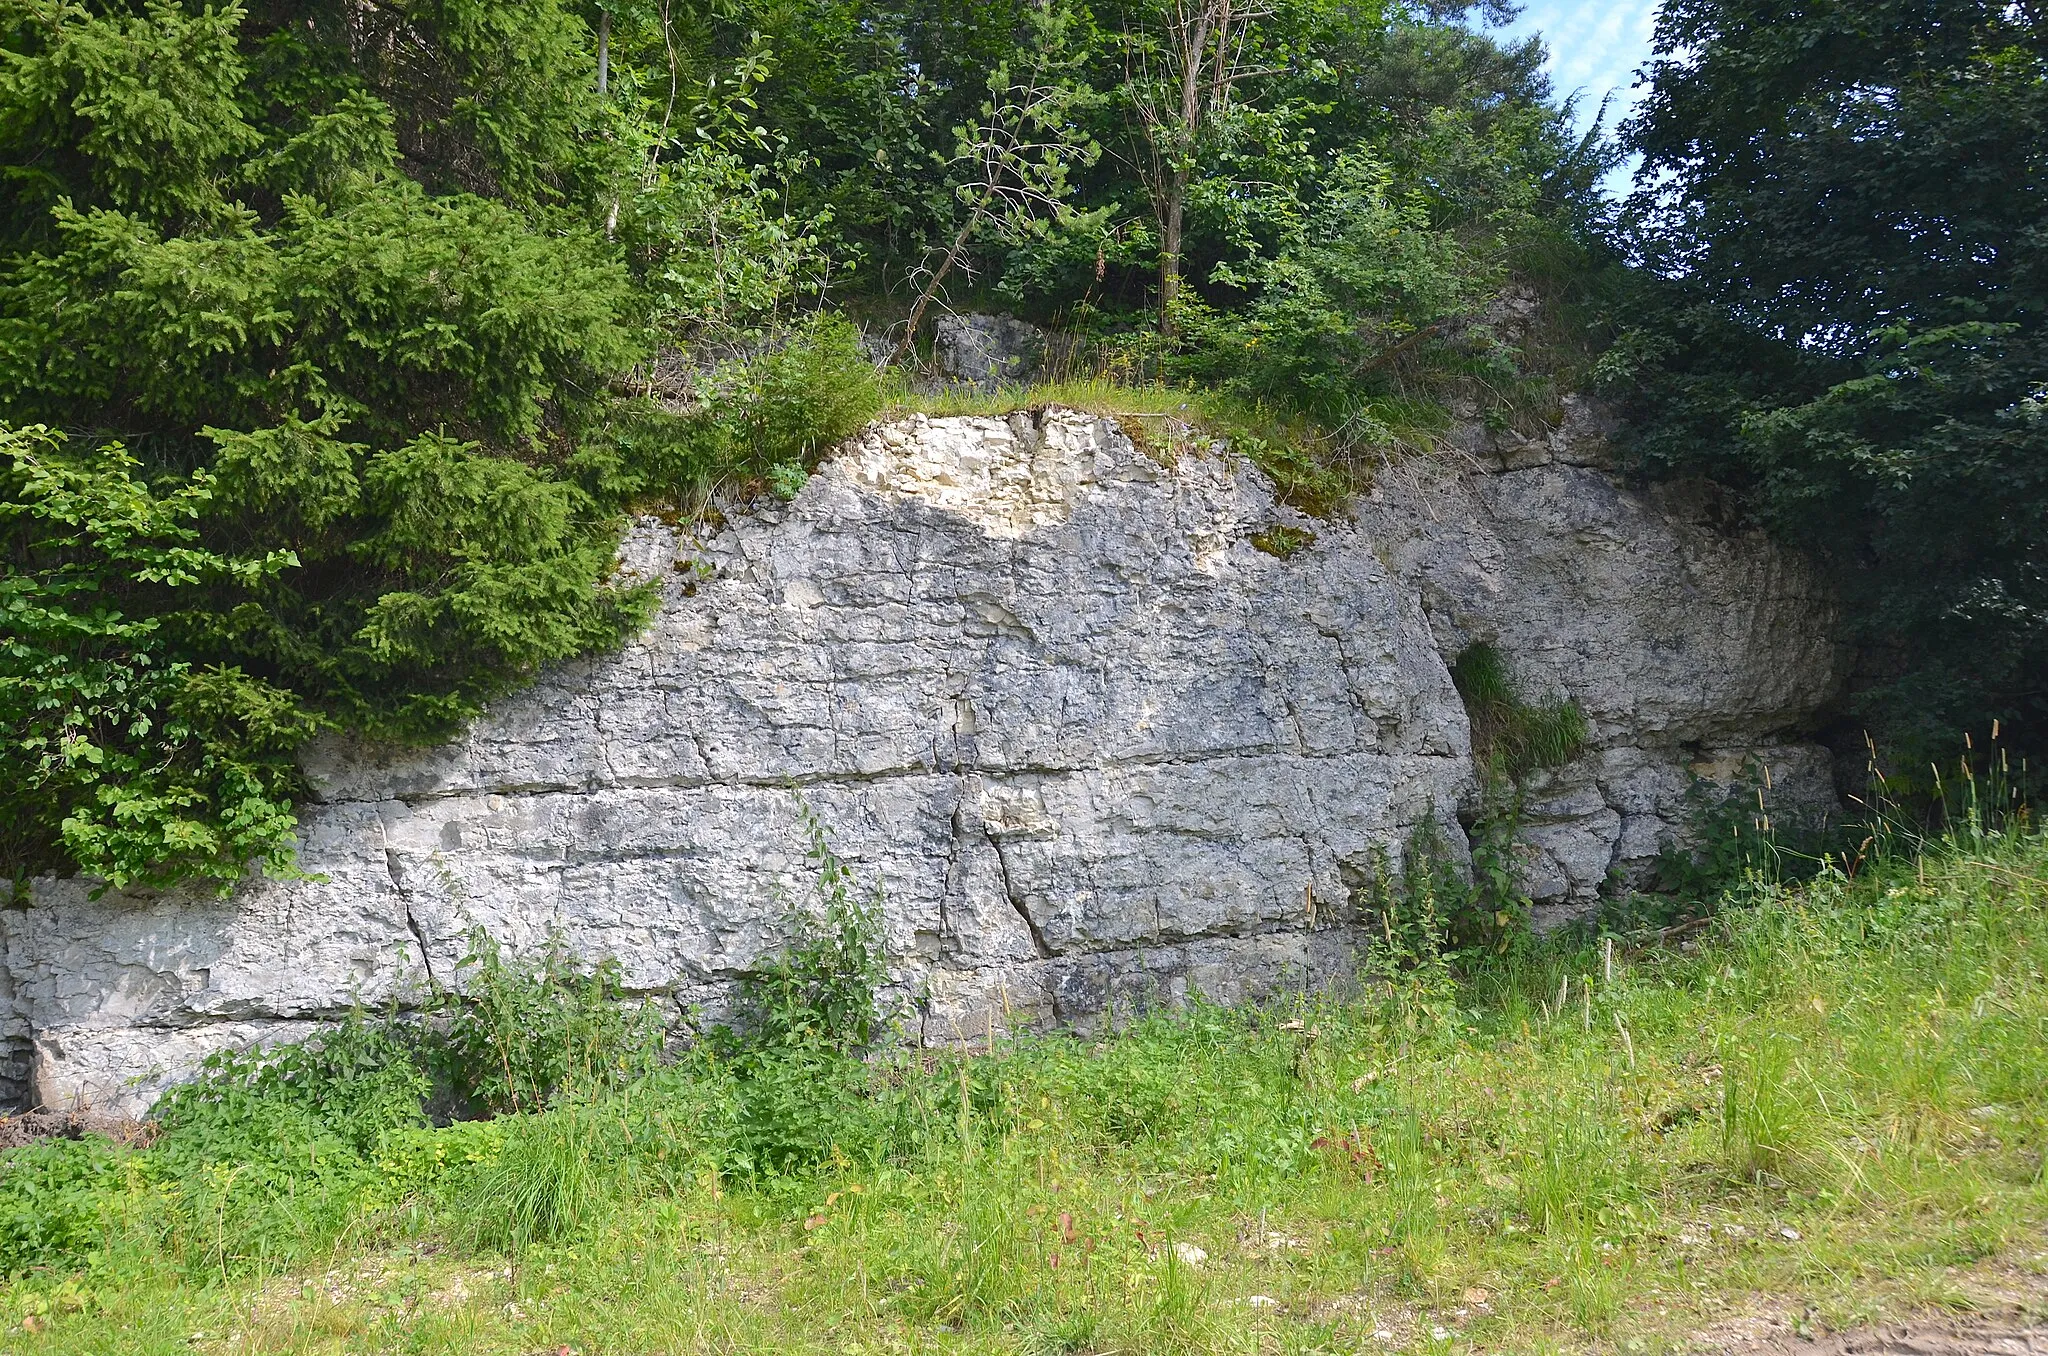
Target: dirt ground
[
  {"x": 31, "y": 1126},
  {"x": 1976, "y": 1335},
  {"x": 2010, "y": 1318}
]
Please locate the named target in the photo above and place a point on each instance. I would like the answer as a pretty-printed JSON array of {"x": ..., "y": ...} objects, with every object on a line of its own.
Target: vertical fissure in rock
[
  {"x": 396, "y": 871},
  {"x": 1017, "y": 902}
]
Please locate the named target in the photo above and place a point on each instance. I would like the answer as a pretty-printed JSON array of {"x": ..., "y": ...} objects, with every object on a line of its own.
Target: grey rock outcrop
[
  {"x": 987, "y": 350},
  {"x": 1690, "y": 649},
  {"x": 1098, "y": 749}
]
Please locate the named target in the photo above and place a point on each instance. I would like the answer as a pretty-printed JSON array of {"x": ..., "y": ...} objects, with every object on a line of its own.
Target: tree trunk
[
  {"x": 1169, "y": 250},
  {"x": 931, "y": 289},
  {"x": 604, "y": 50},
  {"x": 1193, "y": 42}
]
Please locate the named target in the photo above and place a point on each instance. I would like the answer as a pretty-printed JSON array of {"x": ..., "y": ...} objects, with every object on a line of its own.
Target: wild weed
[
  {"x": 515, "y": 1033},
  {"x": 1764, "y": 1114},
  {"x": 55, "y": 1198},
  {"x": 1519, "y": 736},
  {"x": 552, "y": 1175}
]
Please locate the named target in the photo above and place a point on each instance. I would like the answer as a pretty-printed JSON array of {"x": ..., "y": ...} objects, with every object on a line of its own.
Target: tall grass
[{"x": 1833, "y": 1091}]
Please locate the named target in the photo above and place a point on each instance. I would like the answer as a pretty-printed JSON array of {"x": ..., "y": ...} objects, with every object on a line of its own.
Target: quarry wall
[{"x": 1097, "y": 747}]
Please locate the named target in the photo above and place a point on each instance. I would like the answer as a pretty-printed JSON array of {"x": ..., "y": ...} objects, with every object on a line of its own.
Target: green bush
[
  {"x": 267, "y": 1155},
  {"x": 822, "y": 993},
  {"x": 55, "y": 1198},
  {"x": 511, "y": 1036}
]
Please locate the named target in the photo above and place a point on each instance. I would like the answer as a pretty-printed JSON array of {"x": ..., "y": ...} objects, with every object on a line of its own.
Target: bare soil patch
[
  {"x": 2011, "y": 1320},
  {"x": 32, "y": 1127}
]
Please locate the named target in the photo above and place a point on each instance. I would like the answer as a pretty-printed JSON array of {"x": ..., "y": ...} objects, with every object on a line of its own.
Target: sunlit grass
[{"x": 1837, "y": 1099}]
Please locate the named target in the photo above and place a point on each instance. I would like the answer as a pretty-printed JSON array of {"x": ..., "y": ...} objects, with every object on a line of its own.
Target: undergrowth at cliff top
[{"x": 1833, "y": 1096}]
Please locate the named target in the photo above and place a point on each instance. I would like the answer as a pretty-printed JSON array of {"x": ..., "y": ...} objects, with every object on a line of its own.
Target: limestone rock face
[
  {"x": 1691, "y": 650},
  {"x": 1097, "y": 749},
  {"x": 987, "y": 350}
]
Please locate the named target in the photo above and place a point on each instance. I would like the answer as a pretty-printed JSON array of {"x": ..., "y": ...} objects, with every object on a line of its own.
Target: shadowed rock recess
[{"x": 1098, "y": 749}]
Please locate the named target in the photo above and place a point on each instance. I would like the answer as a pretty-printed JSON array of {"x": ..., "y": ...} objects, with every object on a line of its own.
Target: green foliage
[
  {"x": 1867, "y": 373},
  {"x": 800, "y": 1092},
  {"x": 1281, "y": 541},
  {"x": 1730, "y": 837},
  {"x": 264, "y": 1157},
  {"x": 782, "y": 409},
  {"x": 55, "y": 1198},
  {"x": 746, "y": 424},
  {"x": 1442, "y": 908},
  {"x": 513, "y": 1035},
  {"x": 1348, "y": 210},
  {"x": 337, "y": 340},
  {"x": 1521, "y": 737},
  {"x": 1356, "y": 285},
  {"x": 119, "y": 752},
  {"x": 821, "y": 994}
]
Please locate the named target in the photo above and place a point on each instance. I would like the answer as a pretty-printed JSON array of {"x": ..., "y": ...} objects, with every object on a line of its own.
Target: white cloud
[{"x": 1595, "y": 48}]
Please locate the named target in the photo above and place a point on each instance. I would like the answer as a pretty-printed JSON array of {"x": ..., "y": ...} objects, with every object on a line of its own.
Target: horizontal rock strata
[{"x": 1097, "y": 749}]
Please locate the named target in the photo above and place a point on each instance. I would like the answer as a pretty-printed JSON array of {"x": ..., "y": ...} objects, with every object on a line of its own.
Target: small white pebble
[
  {"x": 1189, "y": 1254},
  {"x": 1790, "y": 1233},
  {"x": 1263, "y": 1302},
  {"x": 1440, "y": 1334}
]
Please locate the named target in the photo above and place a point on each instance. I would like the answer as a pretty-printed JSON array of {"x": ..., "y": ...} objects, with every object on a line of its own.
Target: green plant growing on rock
[
  {"x": 1522, "y": 738},
  {"x": 822, "y": 992},
  {"x": 1441, "y": 910},
  {"x": 1283, "y": 542}
]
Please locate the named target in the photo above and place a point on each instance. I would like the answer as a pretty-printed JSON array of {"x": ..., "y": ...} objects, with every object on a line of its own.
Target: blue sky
[{"x": 1594, "y": 47}]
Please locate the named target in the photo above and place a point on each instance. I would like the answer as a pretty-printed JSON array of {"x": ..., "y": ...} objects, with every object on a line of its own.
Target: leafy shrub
[
  {"x": 120, "y": 752},
  {"x": 351, "y": 1084},
  {"x": 755, "y": 422},
  {"x": 787, "y": 405},
  {"x": 822, "y": 993},
  {"x": 1734, "y": 838},
  {"x": 267, "y": 1154},
  {"x": 516, "y": 1033},
  {"x": 790, "y": 1110},
  {"x": 54, "y": 1199},
  {"x": 420, "y": 1162},
  {"x": 1439, "y": 909},
  {"x": 1363, "y": 281}
]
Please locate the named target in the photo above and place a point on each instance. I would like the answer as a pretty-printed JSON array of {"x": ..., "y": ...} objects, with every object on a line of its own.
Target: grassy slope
[{"x": 1837, "y": 1097}]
